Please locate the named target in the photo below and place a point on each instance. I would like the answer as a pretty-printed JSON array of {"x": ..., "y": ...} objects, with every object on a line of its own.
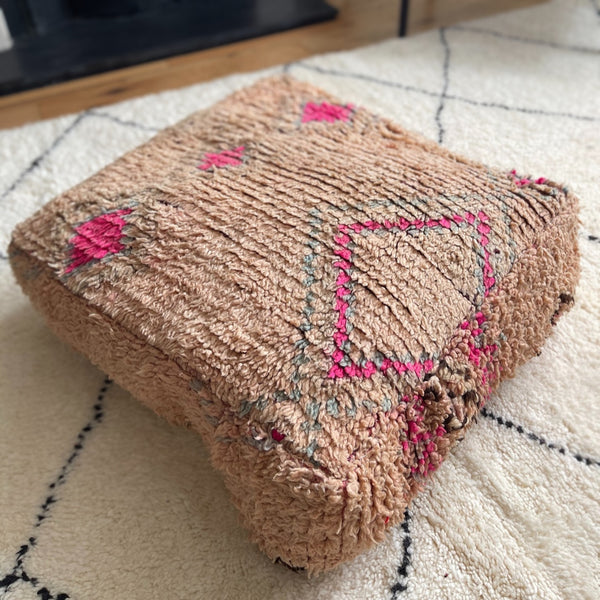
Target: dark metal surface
[
  {"x": 82, "y": 46},
  {"x": 403, "y": 17}
]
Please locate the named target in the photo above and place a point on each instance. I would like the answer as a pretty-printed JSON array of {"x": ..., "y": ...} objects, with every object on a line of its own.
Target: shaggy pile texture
[
  {"x": 326, "y": 298},
  {"x": 104, "y": 499}
]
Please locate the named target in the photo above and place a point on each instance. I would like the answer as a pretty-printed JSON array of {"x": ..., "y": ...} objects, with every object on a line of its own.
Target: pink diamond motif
[
  {"x": 97, "y": 238},
  {"x": 226, "y": 158},
  {"x": 342, "y": 366},
  {"x": 326, "y": 112}
]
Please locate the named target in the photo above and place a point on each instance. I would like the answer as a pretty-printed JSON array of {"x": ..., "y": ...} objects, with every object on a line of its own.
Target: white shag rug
[{"x": 101, "y": 499}]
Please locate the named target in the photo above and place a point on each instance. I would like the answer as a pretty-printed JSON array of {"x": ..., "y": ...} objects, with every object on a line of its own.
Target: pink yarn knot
[
  {"x": 97, "y": 238},
  {"x": 369, "y": 369},
  {"x": 523, "y": 181},
  {"x": 277, "y": 435},
  {"x": 226, "y": 158},
  {"x": 326, "y": 112}
]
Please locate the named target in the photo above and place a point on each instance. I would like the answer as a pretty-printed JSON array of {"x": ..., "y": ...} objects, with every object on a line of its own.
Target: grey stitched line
[
  {"x": 590, "y": 237},
  {"x": 58, "y": 140},
  {"x": 401, "y": 585},
  {"x": 539, "y": 439},
  {"x": 534, "y": 42},
  {"x": 18, "y": 573},
  {"x": 438, "y": 114},
  {"x": 36, "y": 161},
  {"x": 410, "y": 88},
  {"x": 124, "y": 122},
  {"x": 369, "y": 78},
  {"x": 529, "y": 111}
]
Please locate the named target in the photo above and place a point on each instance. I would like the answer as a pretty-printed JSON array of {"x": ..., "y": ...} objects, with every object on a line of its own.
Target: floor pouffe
[{"x": 326, "y": 298}]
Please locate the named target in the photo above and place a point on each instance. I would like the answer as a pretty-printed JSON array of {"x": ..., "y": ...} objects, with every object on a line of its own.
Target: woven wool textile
[
  {"x": 510, "y": 513},
  {"x": 327, "y": 299}
]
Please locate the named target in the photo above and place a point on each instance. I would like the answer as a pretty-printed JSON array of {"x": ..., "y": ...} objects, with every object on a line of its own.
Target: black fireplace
[{"x": 56, "y": 40}]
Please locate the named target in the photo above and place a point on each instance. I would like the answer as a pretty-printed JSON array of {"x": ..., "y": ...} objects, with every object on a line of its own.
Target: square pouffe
[{"x": 326, "y": 298}]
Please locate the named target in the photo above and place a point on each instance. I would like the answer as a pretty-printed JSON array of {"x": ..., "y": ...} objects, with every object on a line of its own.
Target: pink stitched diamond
[
  {"x": 326, "y": 112},
  {"x": 96, "y": 238},
  {"x": 226, "y": 158},
  {"x": 523, "y": 181},
  {"x": 342, "y": 366}
]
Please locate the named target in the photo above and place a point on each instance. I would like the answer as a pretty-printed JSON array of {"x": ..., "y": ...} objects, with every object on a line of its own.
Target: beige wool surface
[
  {"x": 102, "y": 499},
  {"x": 215, "y": 312}
]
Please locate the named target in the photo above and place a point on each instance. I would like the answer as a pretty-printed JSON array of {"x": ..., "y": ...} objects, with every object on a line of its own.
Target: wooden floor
[{"x": 359, "y": 22}]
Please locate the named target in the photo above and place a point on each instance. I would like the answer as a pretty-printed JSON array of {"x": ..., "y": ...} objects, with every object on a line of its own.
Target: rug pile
[{"x": 102, "y": 499}]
